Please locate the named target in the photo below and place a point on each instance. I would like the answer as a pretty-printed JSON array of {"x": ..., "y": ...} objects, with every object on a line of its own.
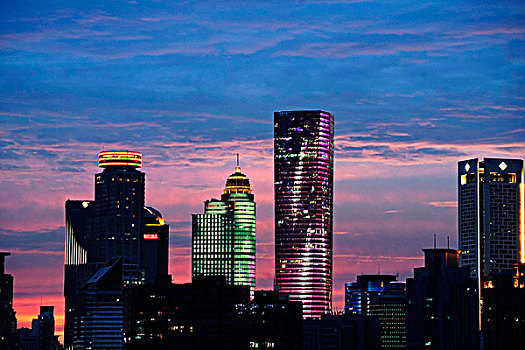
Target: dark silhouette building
[
  {"x": 26, "y": 339},
  {"x": 116, "y": 224},
  {"x": 442, "y": 304},
  {"x": 7, "y": 313},
  {"x": 275, "y": 322},
  {"x": 383, "y": 297},
  {"x": 41, "y": 336},
  {"x": 205, "y": 314},
  {"x": 341, "y": 332},
  {"x": 390, "y": 309},
  {"x": 44, "y": 327},
  {"x": 303, "y": 184},
  {"x": 209, "y": 313},
  {"x": 99, "y": 325},
  {"x": 503, "y": 316}
]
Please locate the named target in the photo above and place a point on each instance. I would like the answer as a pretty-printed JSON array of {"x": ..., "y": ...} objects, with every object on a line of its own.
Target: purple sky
[{"x": 414, "y": 87}]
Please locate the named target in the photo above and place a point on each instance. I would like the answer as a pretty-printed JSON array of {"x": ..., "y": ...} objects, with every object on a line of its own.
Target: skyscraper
[
  {"x": 7, "y": 313},
  {"x": 442, "y": 304},
  {"x": 490, "y": 215},
  {"x": 223, "y": 238},
  {"x": 44, "y": 328},
  {"x": 303, "y": 184},
  {"x": 390, "y": 309},
  {"x": 366, "y": 290},
  {"x": 384, "y": 297},
  {"x": 503, "y": 320},
  {"x": 118, "y": 211},
  {"x": 115, "y": 225}
]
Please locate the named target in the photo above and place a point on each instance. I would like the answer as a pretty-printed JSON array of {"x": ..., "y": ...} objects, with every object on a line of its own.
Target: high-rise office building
[
  {"x": 223, "y": 238},
  {"x": 490, "y": 215},
  {"x": 442, "y": 304},
  {"x": 7, "y": 313},
  {"x": 360, "y": 294},
  {"x": 100, "y": 325},
  {"x": 390, "y": 309},
  {"x": 341, "y": 332},
  {"x": 44, "y": 328},
  {"x": 115, "y": 224},
  {"x": 503, "y": 321},
  {"x": 118, "y": 211},
  {"x": 41, "y": 336},
  {"x": 385, "y": 298},
  {"x": 303, "y": 184},
  {"x": 207, "y": 313},
  {"x": 275, "y": 322}
]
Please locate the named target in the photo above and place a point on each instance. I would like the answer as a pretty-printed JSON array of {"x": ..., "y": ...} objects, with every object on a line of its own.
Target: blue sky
[{"x": 414, "y": 86}]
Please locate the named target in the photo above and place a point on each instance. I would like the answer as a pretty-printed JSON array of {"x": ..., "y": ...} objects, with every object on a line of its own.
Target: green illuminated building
[{"x": 223, "y": 238}]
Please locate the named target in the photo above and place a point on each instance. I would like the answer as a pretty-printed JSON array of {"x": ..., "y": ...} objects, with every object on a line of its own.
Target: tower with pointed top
[{"x": 223, "y": 237}]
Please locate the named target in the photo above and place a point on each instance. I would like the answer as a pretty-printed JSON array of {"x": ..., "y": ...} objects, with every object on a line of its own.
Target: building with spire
[
  {"x": 223, "y": 237},
  {"x": 303, "y": 185}
]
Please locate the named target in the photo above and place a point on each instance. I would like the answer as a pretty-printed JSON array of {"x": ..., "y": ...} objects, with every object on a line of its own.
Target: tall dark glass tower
[
  {"x": 223, "y": 238},
  {"x": 118, "y": 211},
  {"x": 303, "y": 179},
  {"x": 116, "y": 225}
]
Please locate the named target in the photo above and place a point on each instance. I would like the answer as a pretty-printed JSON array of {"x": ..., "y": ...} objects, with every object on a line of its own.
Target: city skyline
[{"x": 415, "y": 88}]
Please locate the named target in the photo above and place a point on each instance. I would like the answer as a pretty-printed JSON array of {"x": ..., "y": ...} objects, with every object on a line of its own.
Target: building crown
[{"x": 238, "y": 182}]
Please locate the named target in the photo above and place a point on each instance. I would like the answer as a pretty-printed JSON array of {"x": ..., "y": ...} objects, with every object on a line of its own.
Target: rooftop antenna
[
  {"x": 448, "y": 242},
  {"x": 434, "y": 241},
  {"x": 397, "y": 273},
  {"x": 237, "y": 168},
  {"x": 378, "y": 268}
]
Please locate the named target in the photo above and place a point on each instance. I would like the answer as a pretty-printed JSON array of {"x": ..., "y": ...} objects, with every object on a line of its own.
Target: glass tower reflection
[{"x": 303, "y": 175}]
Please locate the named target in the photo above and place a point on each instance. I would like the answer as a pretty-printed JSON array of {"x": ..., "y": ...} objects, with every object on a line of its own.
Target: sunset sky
[{"x": 414, "y": 86}]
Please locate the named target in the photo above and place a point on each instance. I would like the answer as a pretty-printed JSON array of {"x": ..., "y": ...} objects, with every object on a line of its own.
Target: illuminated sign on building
[{"x": 119, "y": 158}]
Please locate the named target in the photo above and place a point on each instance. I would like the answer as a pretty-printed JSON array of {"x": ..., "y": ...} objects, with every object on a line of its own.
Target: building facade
[
  {"x": 390, "y": 309},
  {"x": 341, "y": 332},
  {"x": 303, "y": 185},
  {"x": 503, "y": 321},
  {"x": 207, "y": 313},
  {"x": 442, "y": 304},
  {"x": 360, "y": 294},
  {"x": 116, "y": 224},
  {"x": 7, "y": 313},
  {"x": 490, "y": 215},
  {"x": 275, "y": 322},
  {"x": 100, "y": 324},
  {"x": 43, "y": 328},
  {"x": 223, "y": 238}
]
